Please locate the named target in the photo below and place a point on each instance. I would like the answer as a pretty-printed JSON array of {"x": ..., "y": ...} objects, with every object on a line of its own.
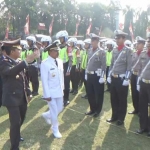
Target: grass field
[{"x": 79, "y": 132}]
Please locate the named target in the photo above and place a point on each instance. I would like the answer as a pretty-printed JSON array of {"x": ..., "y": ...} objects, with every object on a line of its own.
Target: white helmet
[
  {"x": 31, "y": 38},
  {"x": 46, "y": 39},
  {"x": 80, "y": 42},
  {"x": 127, "y": 42},
  {"x": 73, "y": 40},
  {"x": 110, "y": 42},
  {"x": 63, "y": 33},
  {"x": 88, "y": 41},
  {"x": 24, "y": 44}
]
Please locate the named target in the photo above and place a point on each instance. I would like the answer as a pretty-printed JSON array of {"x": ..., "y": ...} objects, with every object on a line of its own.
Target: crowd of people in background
[{"x": 94, "y": 62}]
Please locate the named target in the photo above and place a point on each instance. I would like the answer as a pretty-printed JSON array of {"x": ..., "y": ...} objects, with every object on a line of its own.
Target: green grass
[{"x": 79, "y": 132}]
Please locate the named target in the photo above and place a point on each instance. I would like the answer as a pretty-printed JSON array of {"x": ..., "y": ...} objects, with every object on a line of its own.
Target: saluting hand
[{"x": 32, "y": 57}]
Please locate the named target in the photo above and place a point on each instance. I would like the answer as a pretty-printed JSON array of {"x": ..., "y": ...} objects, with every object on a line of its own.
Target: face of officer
[
  {"x": 62, "y": 40},
  {"x": 15, "y": 53},
  {"x": 79, "y": 46},
  {"x": 71, "y": 44},
  {"x": 45, "y": 44},
  {"x": 94, "y": 43},
  {"x": 148, "y": 46},
  {"x": 29, "y": 42},
  {"x": 54, "y": 53},
  {"x": 87, "y": 46},
  {"x": 120, "y": 40},
  {"x": 109, "y": 47},
  {"x": 140, "y": 46}
]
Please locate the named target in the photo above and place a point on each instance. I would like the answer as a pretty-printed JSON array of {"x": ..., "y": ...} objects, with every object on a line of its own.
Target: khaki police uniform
[{"x": 96, "y": 68}]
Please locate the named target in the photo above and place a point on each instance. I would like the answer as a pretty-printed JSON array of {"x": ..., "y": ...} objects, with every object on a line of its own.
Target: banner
[
  {"x": 51, "y": 26},
  {"x": 26, "y": 27},
  {"x": 89, "y": 28},
  {"x": 77, "y": 26},
  {"x": 131, "y": 32}
]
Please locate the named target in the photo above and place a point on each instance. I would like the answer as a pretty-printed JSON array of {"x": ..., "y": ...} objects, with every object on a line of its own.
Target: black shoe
[
  {"x": 133, "y": 112},
  {"x": 90, "y": 113},
  {"x": 66, "y": 103},
  {"x": 119, "y": 123},
  {"x": 148, "y": 134},
  {"x": 35, "y": 93},
  {"x": 141, "y": 131},
  {"x": 96, "y": 115},
  {"x": 21, "y": 139},
  {"x": 111, "y": 120},
  {"x": 74, "y": 93},
  {"x": 71, "y": 91},
  {"x": 84, "y": 96}
]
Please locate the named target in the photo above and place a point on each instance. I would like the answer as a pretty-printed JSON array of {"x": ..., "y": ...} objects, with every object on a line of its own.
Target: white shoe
[
  {"x": 57, "y": 135},
  {"x": 48, "y": 121}
]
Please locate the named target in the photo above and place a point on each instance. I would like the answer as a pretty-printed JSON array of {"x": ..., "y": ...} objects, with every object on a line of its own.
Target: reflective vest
[
  {"x": 44, "y": 55},
  {"x": 74, "y": 57},
  {"x": 108, "y": 58},
  {"x": 84, "y": 60},
  {"x": 23, "y": 55},
  {"x": 63, "y": 55}
]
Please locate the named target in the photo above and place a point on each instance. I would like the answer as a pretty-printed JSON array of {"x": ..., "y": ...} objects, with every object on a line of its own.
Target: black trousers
[
  {"x": 118, "y": 96},
  {"x": 0, "y": 92},
  {"x": 16, "y": 117},
  {"x": 144, "y": 99},
  {"x": 107, "y": 73},
  {"x": 33, "y": 78},
  {"x": 83, "y": 79},
  {"x": 66, "y": 82},
  {"x": 134, "y": 92},
  {"x": 74, "y": 76},
  {"x": 95, "y": 93}
]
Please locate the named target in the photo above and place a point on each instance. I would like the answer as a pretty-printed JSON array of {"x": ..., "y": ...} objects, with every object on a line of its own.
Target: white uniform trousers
[{"x": 55, "y": 107}]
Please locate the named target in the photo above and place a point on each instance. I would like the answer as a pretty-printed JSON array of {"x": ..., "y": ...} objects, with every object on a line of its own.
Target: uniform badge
[
  {"x": 17, "y": 76},
  {"x": 53, "y": 74},
  {"x": 124, "y": 52},
  {"x": 97, "y": 53}
]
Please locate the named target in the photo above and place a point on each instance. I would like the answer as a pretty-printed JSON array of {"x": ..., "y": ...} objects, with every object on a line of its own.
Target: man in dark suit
[{"x": 15, "y": 92}]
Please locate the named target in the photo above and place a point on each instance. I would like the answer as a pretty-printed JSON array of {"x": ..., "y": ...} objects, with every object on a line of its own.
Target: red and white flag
[
  {"x": 89, "y": 28},
  {"x": 131, "y": 32},
  {"x": 7, "y": 31},
  {"x": 77, "y": 26},
  {"x": 51, "y": 26},
  {"x": 26, "y": 27}
]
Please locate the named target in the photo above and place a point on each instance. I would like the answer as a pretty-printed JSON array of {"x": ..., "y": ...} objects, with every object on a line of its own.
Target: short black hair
[{"x": 8, "y": 49}]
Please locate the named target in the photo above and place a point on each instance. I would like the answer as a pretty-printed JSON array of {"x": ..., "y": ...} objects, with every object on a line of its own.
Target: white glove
[
  {"x": 109, "y": 80},
  {"x": 138, "y": 87},
  {"x": 126, "y": 83},
  {"x": 101, "y": 80},
  {"x": 85, "y": 76}
]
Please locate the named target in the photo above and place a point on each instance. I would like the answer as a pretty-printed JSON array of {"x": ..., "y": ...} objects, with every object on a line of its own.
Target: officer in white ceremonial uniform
[{"x": 53, "y": 84}]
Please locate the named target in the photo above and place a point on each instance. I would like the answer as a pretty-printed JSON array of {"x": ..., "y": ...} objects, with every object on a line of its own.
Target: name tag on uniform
[{"x": 52, "y": 69}]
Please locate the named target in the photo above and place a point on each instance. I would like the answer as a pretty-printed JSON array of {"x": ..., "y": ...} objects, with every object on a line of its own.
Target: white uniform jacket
[{"x": 52, "y": 78}]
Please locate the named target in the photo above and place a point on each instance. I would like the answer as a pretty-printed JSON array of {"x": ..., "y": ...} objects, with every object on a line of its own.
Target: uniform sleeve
[
  {"x": 138, "y": 66},
  {"x": 78, "y": 58},
  {"x": 129, "y": 60},
  {"x": 8, "y": 70},
  {"x": 44, "y": 79},
  {"x": 112, "y": 62}
]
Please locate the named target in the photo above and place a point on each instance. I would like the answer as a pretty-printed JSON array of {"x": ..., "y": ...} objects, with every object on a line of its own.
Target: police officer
[
  {"x": 53, "y": 84},
  {"x": 25, "y": 47},
  {"x": 45, "y": 40},
  {"x": 119, "y": 74},
  {"x": 110, "y": 45},
  {"x": 34, "y": 66},
  {"x": 74, "y": 74},
  {"x": 80, "y": 45},
  {"x": 84, "y": 59},
  {"x": 96, "y": 68},
  {"x": 16, "y": 93},
  {"x": 134, "y": 76},
  {"x": 65, "y": 55},
  {"x": 143, "y": 86}
]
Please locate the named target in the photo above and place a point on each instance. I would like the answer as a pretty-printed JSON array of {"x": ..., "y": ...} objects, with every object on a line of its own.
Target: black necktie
[{"x": 56, "y": 63}]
